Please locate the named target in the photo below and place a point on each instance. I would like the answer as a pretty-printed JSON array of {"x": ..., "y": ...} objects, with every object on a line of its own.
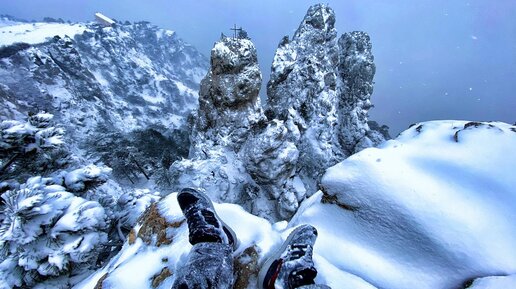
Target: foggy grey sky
[{"x": 436, "y": 59}]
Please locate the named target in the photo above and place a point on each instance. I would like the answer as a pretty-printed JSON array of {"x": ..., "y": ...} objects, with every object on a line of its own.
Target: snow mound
[
  {"x": 434, "y": 208},
  {"x": 35, "y": 33}
]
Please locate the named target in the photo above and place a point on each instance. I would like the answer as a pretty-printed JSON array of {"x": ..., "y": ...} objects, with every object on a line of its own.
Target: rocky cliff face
[
  {"x": 229, "y": 112},
  {"x": 303, "y": 90},
  {"x": 124, "y": 77}
]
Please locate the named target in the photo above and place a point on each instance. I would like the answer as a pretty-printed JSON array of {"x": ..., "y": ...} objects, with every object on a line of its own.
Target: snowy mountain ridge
[
  {"x": 12, "y": 31},
  {"x": 124, "y": 77}
]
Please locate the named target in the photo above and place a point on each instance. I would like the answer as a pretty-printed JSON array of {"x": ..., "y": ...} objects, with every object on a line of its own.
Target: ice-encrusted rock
[
  {"x": 324, "y": 87},
  {"x": 356, "y": 71},
  {"x": 229, "y": 105},
  {"x": 229, "y": 110},
  {"x": 236, "y": 154},
  {"x": 303, "y": 89},
  {"x": 270, "y": 157},
  {"x": 281, "y": 156}
]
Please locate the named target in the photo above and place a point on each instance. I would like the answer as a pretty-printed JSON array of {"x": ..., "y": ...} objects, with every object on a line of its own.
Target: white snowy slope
[
  {"x": 36, "y": 32},
  {"x": 126, "y": 269},
  {"x": 434, "y": 208}
]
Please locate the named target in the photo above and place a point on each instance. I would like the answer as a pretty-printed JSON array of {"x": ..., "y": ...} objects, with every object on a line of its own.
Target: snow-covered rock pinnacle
[
  {"x": 270, "y": 162},
  {"x": 356, "y": 71},
  {"x": 229, "y": 111},
  {"x": 303, "y": 89},
  {"x": 323, "y": 86},
  {"x": 229, "y": 105}
]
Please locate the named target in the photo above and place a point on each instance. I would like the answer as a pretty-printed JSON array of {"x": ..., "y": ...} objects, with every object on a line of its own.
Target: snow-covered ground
[
  {"x": 434, "y": 208},
  {"x": 39, "y": 32}
]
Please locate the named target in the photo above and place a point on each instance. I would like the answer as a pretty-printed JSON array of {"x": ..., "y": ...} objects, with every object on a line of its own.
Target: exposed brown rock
[
  {"x": 246, "y": 268},
  {"x": 160, "y": 277},
  {"x": 101, "y": 280},
  {"x": 131, "y": 238},
  {"x": 154, "y": 227}
]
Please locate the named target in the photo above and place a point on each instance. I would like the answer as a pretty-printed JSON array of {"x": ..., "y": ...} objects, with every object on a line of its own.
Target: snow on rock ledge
[
  {"x": 494, "y": 282},
  {"x": 434, "y": 208}
]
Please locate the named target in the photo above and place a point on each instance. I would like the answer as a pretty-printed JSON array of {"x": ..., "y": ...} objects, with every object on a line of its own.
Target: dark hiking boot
[
  {"x": 204, "y": 225},
  {"x": 291, "y": 266}
]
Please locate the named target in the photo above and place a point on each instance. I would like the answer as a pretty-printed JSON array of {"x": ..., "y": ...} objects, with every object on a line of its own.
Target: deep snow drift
[{"x": 432, "y": 209}]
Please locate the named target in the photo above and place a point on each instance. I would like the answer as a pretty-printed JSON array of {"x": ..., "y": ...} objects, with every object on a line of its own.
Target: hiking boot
[
  {"x": 291, "y": 266},
  {"x": 204, "y": 225}
]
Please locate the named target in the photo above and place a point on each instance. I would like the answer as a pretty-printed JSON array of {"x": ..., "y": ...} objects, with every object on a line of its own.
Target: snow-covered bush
[
  {"x": 48, "y": 232},
  {"x": 61, "y": 227},
  {"x": 80, "y": 179},
  {"x": 30, "y": 147}
]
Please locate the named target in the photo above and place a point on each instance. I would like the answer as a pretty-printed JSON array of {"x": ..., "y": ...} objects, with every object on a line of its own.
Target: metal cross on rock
[{"x": 235, "y": 29}]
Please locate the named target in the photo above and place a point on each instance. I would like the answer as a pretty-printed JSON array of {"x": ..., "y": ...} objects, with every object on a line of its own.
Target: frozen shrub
[
  {"x": 48, "y": 232},
  {"x": 31, "y": 147}
]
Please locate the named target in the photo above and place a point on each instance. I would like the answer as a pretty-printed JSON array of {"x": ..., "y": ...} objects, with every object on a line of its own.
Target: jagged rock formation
[
  {"x": 323, "y": 87},
  {"x": 125, "y": 77},
  {"x": 356, "y": 69},
  {"x": 236, "y": 155},
  {"x": 229, "y": 105},
  {"x": 229, "y": 110},
  {"x": 271, "y": 163},
  {"x": 303, "y": 89}
]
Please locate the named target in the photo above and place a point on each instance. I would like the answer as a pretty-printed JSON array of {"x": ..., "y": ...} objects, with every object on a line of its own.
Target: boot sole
[
  {"x": 275, "y": 256},
  {"x": 227, "y": 229}
]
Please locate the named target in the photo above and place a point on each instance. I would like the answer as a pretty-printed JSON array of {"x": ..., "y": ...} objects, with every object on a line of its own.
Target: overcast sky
[{"x": 436, "y": 59}]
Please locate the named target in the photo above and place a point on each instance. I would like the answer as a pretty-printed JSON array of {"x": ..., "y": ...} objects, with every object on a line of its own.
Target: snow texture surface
[{"x": 432, "y": 209}]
